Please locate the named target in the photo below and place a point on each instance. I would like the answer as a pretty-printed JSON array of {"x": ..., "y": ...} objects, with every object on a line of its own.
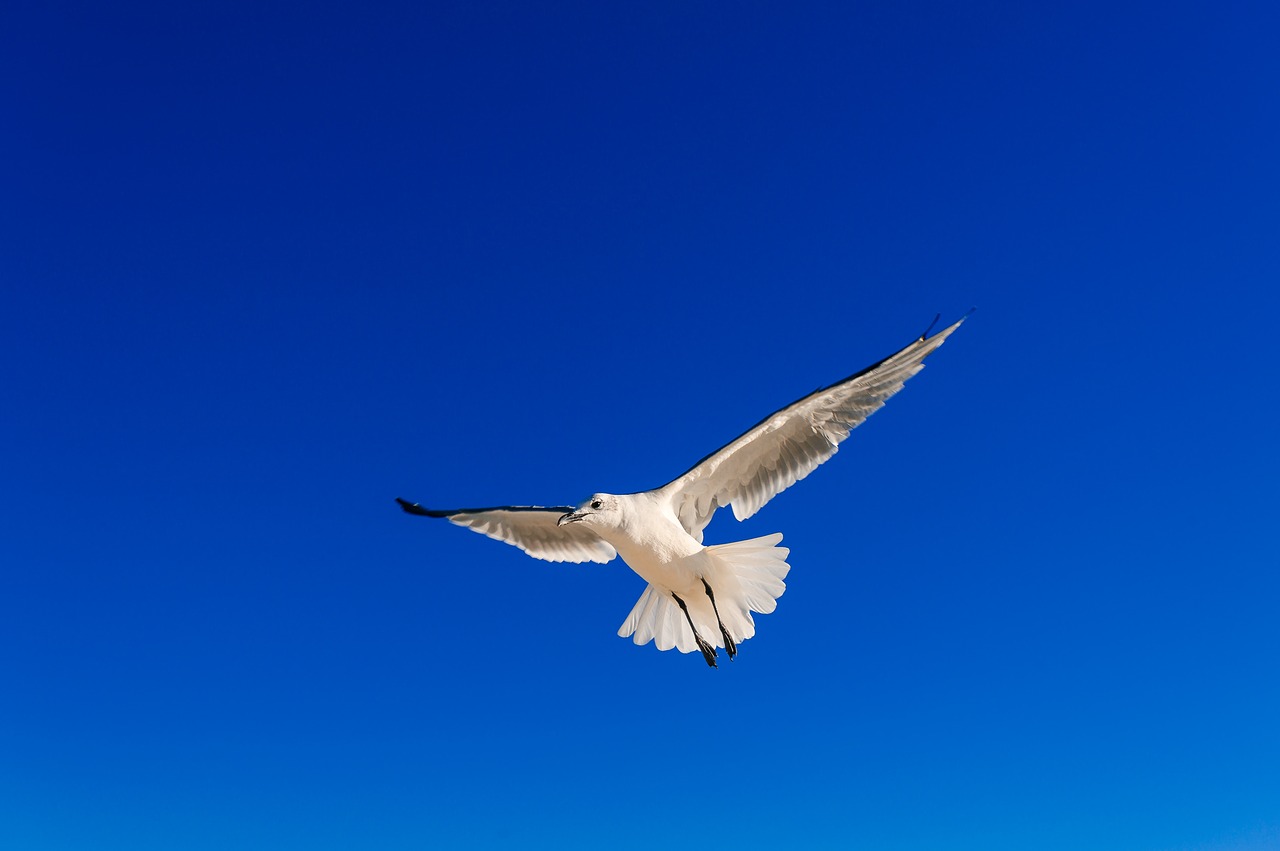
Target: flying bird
[{"x": 702, "y": 597}]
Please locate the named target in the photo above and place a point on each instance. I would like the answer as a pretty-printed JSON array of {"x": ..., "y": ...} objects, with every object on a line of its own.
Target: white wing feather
[
  {"x": 791, "y": 443},
  {"x": 532, "y": 529}
]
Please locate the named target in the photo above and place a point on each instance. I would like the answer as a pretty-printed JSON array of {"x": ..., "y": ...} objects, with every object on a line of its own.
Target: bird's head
[{"x": 599, "y": 510}]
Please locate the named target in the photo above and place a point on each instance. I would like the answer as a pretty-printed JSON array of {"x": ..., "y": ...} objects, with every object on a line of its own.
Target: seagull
[{"x": 702, "y": 597}]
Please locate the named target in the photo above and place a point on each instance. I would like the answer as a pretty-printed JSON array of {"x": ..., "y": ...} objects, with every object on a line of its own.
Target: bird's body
[
  {"x": 712, "y": 589},
  {"x": 702, "y": 597}
]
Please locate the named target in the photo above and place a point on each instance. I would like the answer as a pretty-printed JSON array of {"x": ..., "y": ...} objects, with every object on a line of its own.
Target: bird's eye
[{"x": 595, "y": 503}]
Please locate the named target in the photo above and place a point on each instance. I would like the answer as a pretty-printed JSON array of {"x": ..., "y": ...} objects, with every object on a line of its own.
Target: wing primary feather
[{"x": 414, "y": 508}]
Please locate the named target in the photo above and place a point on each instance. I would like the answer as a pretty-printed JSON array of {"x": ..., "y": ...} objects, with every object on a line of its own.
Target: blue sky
[{"x": 266, "y": 267}]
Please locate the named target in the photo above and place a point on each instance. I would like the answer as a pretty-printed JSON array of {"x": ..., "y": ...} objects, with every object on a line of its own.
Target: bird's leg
[
  {"x": 724, "y": 633},
  {"x": 708, "y": 652}
]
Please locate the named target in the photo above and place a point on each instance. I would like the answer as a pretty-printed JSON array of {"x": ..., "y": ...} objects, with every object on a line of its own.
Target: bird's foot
[
  {"x": 730, "y": 647},
  {"x": 708, "y": 652}
]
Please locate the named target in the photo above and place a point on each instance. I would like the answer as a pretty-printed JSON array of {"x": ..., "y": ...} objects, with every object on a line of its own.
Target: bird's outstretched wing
[
  {"x": 790, "y": 443},
  {"x": 532, "y": 528}
]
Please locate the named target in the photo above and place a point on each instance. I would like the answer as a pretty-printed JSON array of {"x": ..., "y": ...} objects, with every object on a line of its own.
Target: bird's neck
[{"x": 650, "y": 532}]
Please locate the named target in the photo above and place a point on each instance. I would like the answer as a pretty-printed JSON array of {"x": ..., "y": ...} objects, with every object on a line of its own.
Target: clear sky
[{"x": 267, "y": 266}]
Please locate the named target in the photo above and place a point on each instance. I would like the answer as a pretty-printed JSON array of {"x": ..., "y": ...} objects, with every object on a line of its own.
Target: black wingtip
[
  {"x": 934, "y": 324},
  {"x": 412, "y": 508}
]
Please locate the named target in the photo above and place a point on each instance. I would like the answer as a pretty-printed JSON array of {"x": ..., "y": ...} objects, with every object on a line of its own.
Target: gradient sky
[{"x": 266, "y": 267}]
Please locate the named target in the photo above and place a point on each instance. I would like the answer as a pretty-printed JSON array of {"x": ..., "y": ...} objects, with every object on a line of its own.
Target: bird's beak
[{"x": 571, "y": 517}]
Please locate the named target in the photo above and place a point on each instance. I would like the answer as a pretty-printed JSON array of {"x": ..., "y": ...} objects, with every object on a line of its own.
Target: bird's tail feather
[{"x": 746, "y": 577}]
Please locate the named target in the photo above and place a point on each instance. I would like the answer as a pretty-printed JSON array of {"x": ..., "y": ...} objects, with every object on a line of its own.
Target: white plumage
[{"x": 702, "y": 597}]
